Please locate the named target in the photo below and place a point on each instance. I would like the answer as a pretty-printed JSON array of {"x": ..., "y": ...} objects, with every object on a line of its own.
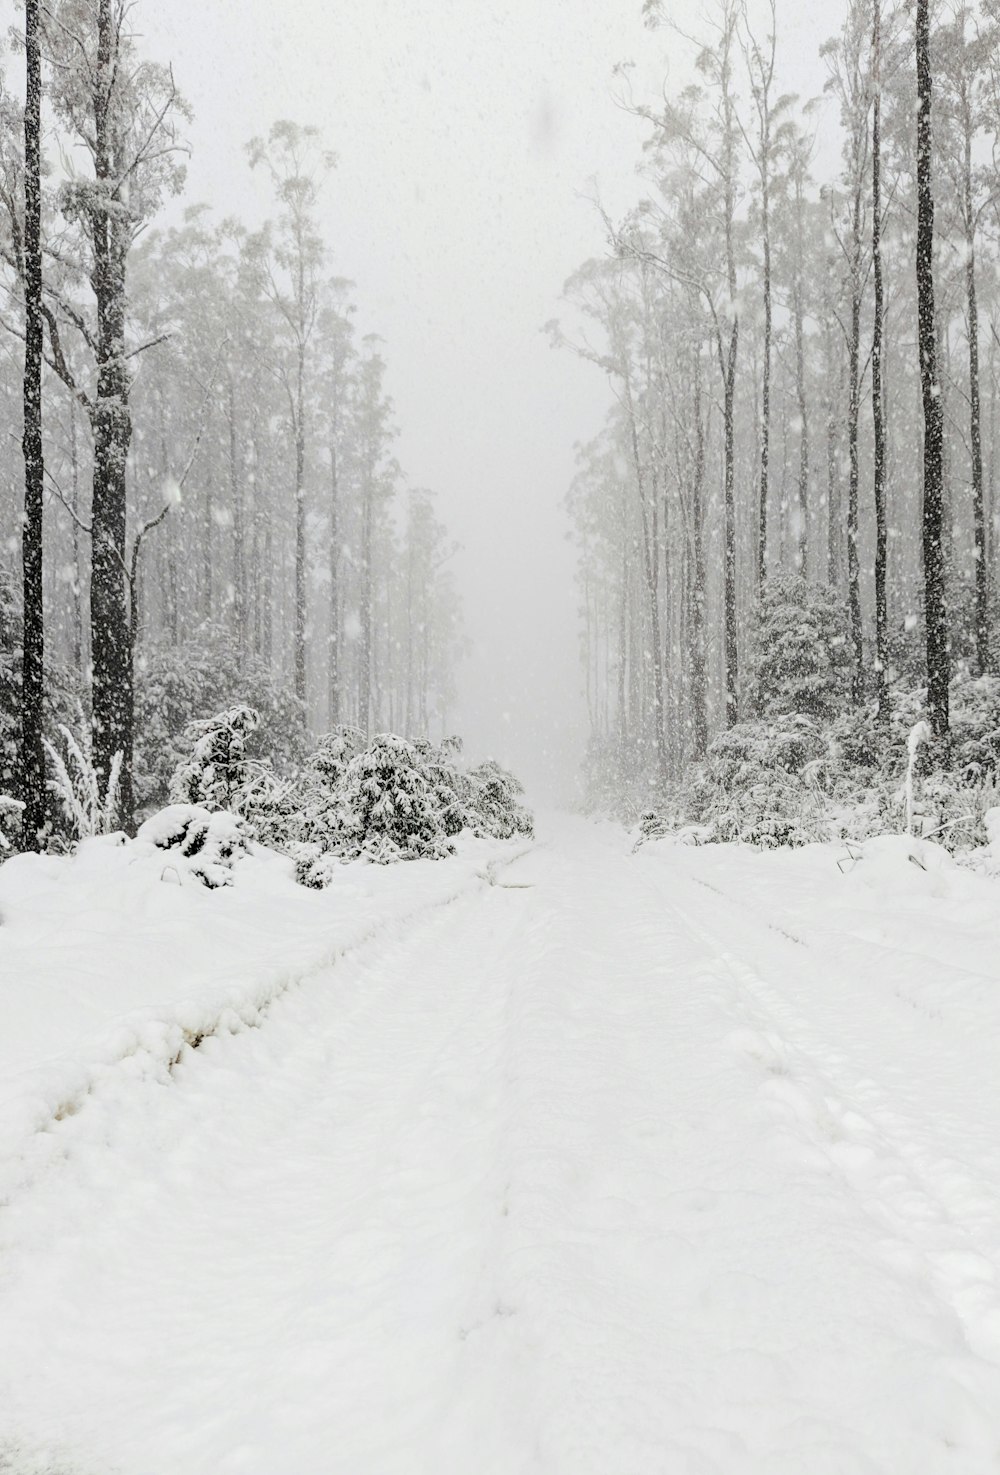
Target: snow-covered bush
[
  {"x": 802, "y": 662},
  {"x": 10, "y": 820},
  {"x": 216, "y": 765},
  {"x": 388, "y": 809},
  {"x": 88, "y": 807},
  {"x": 495, "y": 806},
  {"x": 752, "y": 751},
  {"x": 273, "y": 806},
  {"x": 197, "y": 842},
  {"x": 175, "y": 685},
  {"x": 453, "y": 789},
  {"x": 333, "y": 752}
]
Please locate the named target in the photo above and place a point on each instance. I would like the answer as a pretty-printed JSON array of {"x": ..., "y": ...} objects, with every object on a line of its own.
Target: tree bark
[
  {"x": 853, "y": 416},
  {"x": 878, "y": 419},
  {"x": 112, "y": 426},
  {"x": 32, "y": 774},
  {"x": 935, "y": 614}
]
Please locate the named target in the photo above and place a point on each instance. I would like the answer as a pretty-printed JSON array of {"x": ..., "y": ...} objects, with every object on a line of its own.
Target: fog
[{"x": 471, "y": 143}]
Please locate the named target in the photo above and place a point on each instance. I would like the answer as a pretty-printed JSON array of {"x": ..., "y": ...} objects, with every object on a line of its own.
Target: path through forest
[{"x": 607, "y": 1169}]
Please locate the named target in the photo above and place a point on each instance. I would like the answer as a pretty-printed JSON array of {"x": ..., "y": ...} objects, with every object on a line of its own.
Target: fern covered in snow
[{"x": 76, "y": 785}]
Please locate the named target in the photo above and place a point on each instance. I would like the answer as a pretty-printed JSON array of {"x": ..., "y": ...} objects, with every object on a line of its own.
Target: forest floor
[{"x": 681, "y": 1162}]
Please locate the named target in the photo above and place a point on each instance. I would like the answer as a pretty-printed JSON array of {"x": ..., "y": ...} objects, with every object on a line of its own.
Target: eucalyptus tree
[
  {"x": 125, "y": 114},
  {"x": 849, "y": 60},
  {"x": 291, "y": 259},
  {"x": 963, "y": 51},
  {"x": 32, "y": 785},
  {"x": 935, "y": 609}
]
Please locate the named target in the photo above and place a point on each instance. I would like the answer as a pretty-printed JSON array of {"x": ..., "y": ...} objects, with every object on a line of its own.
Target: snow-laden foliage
[
  {"x": 217, "y": 766},
  {"x": 495, "y": 806},
  {"x": 198, "y": 842},
  {"x": 186, "y": 683},
  {"x": 382, "y": 801},
  {"x": 791, "y": 778},
  {"x": 10, "y": 813},
  {"x": 88, "y": 805},
  {"x": 801, "y": 661},
  {"x": 389, "y": 810}
]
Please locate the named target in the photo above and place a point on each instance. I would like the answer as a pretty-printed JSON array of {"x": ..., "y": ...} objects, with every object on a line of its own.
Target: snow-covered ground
[{"x": 685, "y": 1162}]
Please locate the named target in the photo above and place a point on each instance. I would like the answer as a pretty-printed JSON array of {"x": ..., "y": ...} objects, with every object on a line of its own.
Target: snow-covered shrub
[
  {"x": 198, "y": 842},
  {"x": 752, "y": 751},
  {"x": 333, "y": 752},
  {"x": 61, "y": 694},
  {"x": 10, "y": 821},
  {"x": 387, "y": 807},
  {"x": 779, "y": 810},
  {"x": 975, "y": 726},
  {"x": 802, "y": 662},
  {"x": 495, "y": 806},
  {"x": 175, "y": 685},
  {"x": 216, "y": 765},
  {"x": 88, "y": 807},
  {"x": 453, "y": 789},
  {"x": 271, "y": 805}
]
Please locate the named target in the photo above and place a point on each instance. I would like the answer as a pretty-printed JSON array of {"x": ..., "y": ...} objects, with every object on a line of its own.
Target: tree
[
  {"x": 935, "y": 612},
  {"x": 32, "y": 785},
  {"x": 125, "y": 114},
  {"x": 878, "y": 403},
  {"x": 296, "y": 163},
  {"x": 851, "y": 83}
]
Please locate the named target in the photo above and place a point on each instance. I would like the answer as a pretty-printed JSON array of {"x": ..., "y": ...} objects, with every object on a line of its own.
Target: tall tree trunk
[
  {"x": 731, "y": 624},
  {"x": 798, "y": 318},
  {"x": 698, "y": 663},
  {"x": 765, "y": 395},
  {"x": 652, "y": 594},
  {"x": 300, "y": 527},
  {"x": 983, "y": 660},
  {"x": 935, "y": 614},
  {"x": 112, "y": 426},
  {"x": 333, "y": 639},
  {"x": 32, "y": 775},
  {"x": 853, "y": 416},
  {"x": 74, "y": 461},
  {"x": 239, "y": 539},
  {"x": 878, "y": 419},
  {"x": 365, "y": 614}
]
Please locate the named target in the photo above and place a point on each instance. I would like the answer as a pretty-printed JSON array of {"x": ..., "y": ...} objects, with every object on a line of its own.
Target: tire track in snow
[{"x": 806, "y": 1088}]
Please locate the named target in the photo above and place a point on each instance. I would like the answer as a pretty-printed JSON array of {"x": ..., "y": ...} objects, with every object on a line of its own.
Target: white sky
[{"x": 468, "y": 134}]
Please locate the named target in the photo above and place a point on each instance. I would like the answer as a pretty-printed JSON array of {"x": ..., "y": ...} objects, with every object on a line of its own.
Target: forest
[
  {"x": 213, "y": 511},
  {"x": 787, "y": 525}
]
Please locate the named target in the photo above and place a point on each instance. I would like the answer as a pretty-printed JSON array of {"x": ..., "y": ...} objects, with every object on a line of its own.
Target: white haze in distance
[{"x": 471, "y": 136}]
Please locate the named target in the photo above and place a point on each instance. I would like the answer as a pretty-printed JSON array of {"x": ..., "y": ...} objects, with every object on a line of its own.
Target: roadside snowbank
[{"x": 117, "y": 956}]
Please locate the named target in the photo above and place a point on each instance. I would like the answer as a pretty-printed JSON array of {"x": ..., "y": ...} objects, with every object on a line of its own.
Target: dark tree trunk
[
  {"x": 32, "y": 775},
  {"x": 731, "y": 626},
  {"x": 765, "y": 397},
  {"x": 853, "y": 415},
  {"x": 878, "y": 419},
  {"x": 798, "y": 317},
  {"x": 935, "y": 614},
  {"x": 983, "y": 660},
  {"x": 112, "y": 427}
]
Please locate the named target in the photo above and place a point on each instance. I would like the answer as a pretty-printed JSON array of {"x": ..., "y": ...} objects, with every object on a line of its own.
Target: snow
[{"x": 681, "y": 1161}]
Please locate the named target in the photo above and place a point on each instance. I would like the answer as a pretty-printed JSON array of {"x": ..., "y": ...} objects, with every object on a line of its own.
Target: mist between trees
[
  {"x": 804, "y": 368},
  {"x": 208, "y": 443}
]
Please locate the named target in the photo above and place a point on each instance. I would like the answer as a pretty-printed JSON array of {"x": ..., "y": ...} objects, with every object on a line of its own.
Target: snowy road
[{"x": 608, "y": 1169}]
